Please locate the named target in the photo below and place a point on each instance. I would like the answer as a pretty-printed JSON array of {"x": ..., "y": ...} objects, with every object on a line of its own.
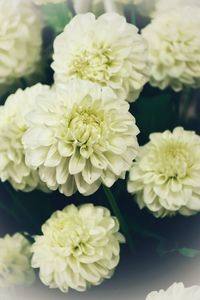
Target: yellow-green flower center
[
  {"x": 86, "y": 125},
  {"x": 173, "y": 159},
  {"x": 71, "y": 234},
  {"x": 93, "y": 64}
]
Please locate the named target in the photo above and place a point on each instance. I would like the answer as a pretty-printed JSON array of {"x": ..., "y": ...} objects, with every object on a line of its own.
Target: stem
[
  {"x": 187, "y": 99},
  {"x": 23, "y": 83},
  {"x": 117, "y": 212},
  {"x": 82, "y": 6},
  {"x": 71, "y": 7}
]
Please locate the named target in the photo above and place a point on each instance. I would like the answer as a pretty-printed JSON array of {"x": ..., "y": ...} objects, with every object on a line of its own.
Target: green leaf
[
  {"x": 56, "y": 16},
  {"x": 189, "y": 252}
]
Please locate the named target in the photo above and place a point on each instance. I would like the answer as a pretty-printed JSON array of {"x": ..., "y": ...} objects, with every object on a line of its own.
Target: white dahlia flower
[
  {"x": 107, "y": 51},
  {"x": 80, "y": 247},
  {"x": 166, "y": 174},
  {"x": 12, "y": 127},
  {"x": 163, "y": 6},
  {"x": 80, "y": 137},
  {"x": 15, "y": 265},
  {"x": 43, "y": 2},
  {"x": 20, "y": 39},
  {"x": 174, "y": 49},
  {"x": 176, "y": 292}
]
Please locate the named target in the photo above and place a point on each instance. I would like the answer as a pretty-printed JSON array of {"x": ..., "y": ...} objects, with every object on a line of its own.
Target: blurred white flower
[
  {"x": 166, "y": 174},
  {"x": 80, "y": 247},
  {"x": 162, "y": 6},
  {"x": 130, "y": 1},
  {"x": 12, "y": 127},
  {"x": 20, "y": 40},
  {"x": 176, "y": 292},
  {"x": 80, "y": 137},
  {"x": 42, "y": 2},
  {"x": 107, "y": 51},
  {"x": 101, "y": 6},
  {"x": 98, "y": 7},
  {"x": 15, "y": 266},
  {"x": 174, "y": 49}
]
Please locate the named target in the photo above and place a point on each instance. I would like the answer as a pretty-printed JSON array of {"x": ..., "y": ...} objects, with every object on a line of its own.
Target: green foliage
[
  {"x": 56, "y": 16},
  {"x": 188, "y": 252}
]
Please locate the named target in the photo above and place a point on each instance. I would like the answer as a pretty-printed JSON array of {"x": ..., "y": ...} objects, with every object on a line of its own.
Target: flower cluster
[
  {"x": 166, "y": 174},
  {"x": 107, "y": 51},
  {"x": 80, "y": 137},
  {"x": 12, "y": 127},
  {"x": 15, "y": 256},
  {"x": 174, "y": 42},
  {"x": 79, "y": 248},
  {"x": 80, "y": 133},
  {"x": 20, "y": 40},
  {"x": 176, "y": 292}
]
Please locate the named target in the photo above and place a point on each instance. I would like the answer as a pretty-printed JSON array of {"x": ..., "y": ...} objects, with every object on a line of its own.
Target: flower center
[
  {"x": 71, "y": 234},
  {"x": 173, "y": 160},
  {"x": 86, "y": 125},
  {"x": 93, "y": 64}
]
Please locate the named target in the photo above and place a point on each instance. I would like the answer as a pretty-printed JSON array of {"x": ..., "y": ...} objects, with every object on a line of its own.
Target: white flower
[
  {"x": 15, "y": 256},
  {"x": 107, "y": 51},
  {"x": 166, "y": 174},
  {"x": 80, "y": 137},
  {"x": 12, "y": 127},
  {"x": 174, "y": 49},
  {"x": 162, "y": 6},
  {"x": 79, "y": 248},
  {"x": 176, "y": 292},
  {"x": 20, "y": 40},
  {"x": 43, "y": 2},
  {"x": 135, "y": 2},
  {"x": 98, "y": 7}
]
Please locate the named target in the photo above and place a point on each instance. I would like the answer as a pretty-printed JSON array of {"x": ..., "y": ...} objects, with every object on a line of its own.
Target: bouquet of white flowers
[{"x": 99, "y": 143}]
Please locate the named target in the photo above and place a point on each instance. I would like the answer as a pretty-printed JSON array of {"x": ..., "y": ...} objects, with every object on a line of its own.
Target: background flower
[
  {"x": 42, "y": 2},
  {"x": 166, "y": 174},
  {"x": 176, "y": 292},
  {"x": 164, "y": 6},
  {"x": 107, "y": 51},
  {"x": 80, "y": 138},
  {"x": 15, "y": 255},
  {"x": 79, "y": 247},
  {"x": 20, "y": 42},
  {"x": 174, "y": 43},
  {"x": 12, "y": 127}
]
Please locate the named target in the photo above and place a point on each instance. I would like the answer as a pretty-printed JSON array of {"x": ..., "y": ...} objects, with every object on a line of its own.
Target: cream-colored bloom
[
  {"x": 174, "y": 49},
  {"x": 80, "y": 137},
  {"x": 80, "y": 247},
  {"x": 163, "y": 6},
  {"x": 166, "y": 174},
  {"x": 176, "y": 292},
  {"x": 15, "y": 256},
  {"x": 98, "y": 7},
  {"x": 135, "y": 2},
  {"x": 107, "y": 51},
  {"x": 12, "y": 127},
  {"x": 43, "y": 2},
  {"x": 20, "y": 39}
]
